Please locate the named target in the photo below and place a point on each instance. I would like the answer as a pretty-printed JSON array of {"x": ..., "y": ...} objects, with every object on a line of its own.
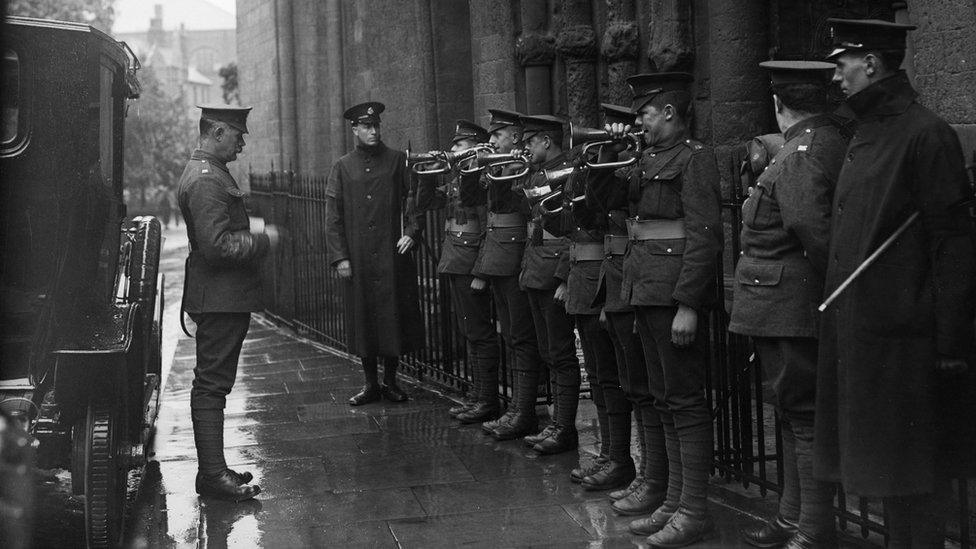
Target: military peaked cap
[
  {"x": 502, "y": 119},
  {"x": 466, "y": 129},
  {"x": 798, "y": 72},
  {"x": 646, "y": 86},
  {"x": 532, "y": 125},
  {"x": 232, "y": 115},
  {"x": 866, "y": 34},
  {"x": 365, "y": 113},
  {"x": 617, "y": 114}
]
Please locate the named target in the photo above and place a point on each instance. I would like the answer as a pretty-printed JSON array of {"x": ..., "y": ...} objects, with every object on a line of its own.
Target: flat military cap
[
  {"x": 364, "y": 113},
  {"x": 866, "y": 34},
  {"x": 532, "y": 125},
  {"x": 466, "y": 129},
  {"x": 646, "y": 86},
  {"x": 798, "y": 72},
  {"x": 617, "y": 114},
  {"x": 502, "y": 119},
  {"x": 232, "y": 115}
]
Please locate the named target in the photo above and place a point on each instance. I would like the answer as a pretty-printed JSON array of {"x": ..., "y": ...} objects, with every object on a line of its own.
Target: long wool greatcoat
[
  {"x": 883, "y": 421},
  {"x": 368, "y": 204}
]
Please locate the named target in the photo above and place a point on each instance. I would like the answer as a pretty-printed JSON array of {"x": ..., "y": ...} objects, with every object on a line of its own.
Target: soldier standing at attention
[
  {"x": 894, "y": 344},
  {"x": 675, "y": 232},
  {"x": 371, "y": 225},
  {"x": 498, "y": 262},
  {"x": 221, "y": 289},
  {"x": 467, "y": 216},
  {"x": 545, "y": 268},
  {"x": 779, "y": 284}
]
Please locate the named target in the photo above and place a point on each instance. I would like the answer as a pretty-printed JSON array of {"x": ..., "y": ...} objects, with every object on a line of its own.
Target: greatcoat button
[{"x": 756, "y": 281}]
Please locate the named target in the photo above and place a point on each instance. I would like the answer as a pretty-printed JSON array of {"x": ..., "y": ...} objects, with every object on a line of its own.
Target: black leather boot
[
  {"x": 393, "y": 392},
  {"x": 769, "y": 534},
  {"x": 646, "y": 498},
  {"x": 224, "y": 486},
  {"x": 614, "y": 475},
  {"x": 563, "y": 439},
  {"x": 479, "y": 413},
  {"x": 242, "y": 478},
  {"x": 532, "y": 440},
  {"x": 367, "y": 395},
  {"x": 454, "y": 411},
  {"x": 489, "y": 427},
  {"x": 579, "y": 473},
  {"x": 626, "y": 490},
  {"x": 803, "y": 541},
  {"x": 682, "y": 530},
  {"x": 521, "y": 424},
  {"x": 654, "y": 523}
]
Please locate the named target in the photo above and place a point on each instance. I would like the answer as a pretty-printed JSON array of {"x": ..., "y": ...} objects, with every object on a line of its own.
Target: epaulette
[
  {"x": 205, "y": 166},
  {"x": 693, "y": 145}
]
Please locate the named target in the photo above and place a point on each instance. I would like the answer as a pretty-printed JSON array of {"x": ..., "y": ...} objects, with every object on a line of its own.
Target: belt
[
  {"x": 472, "y": 226},
  {"x": 502, "y": 220},
  {"x": 655, "y": 229},
  {"x": 586, "y": 251},
  {"x": 546, "y": 235},
  {"x": 614, "y": 244}
]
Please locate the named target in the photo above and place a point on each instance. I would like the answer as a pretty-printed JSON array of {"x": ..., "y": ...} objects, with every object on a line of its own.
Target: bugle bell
[
  {"x": 500, "y": 160},
  {"x": 557, "y": 177},
  {"x": 441, "y": 161},
  {"x": 593, "y": 137}
]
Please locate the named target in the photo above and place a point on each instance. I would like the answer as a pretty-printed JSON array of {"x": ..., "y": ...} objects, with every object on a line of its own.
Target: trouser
[
  {"x": 918, "y": 521},
  {"x": 557, "y": 344},
  {"x": 518, "y": 332},
  {"x": 677, "y": 380},
  {"x": 370, "y": 364},
  {"x": 473, "y": 313},
  {"x": 637, "y": 389},
  {"x": 219, "y": 339},
  {"x": 790, "y": 366},
  {"x": 612, "y": 407}
]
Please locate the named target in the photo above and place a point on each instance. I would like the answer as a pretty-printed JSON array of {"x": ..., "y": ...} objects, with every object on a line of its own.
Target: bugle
[
  {"x": 501, "y": 160},
  {"x": 553, "y": 202},
  {"x": 441, "y": 161},
  {"x": 593, "y": 137}
]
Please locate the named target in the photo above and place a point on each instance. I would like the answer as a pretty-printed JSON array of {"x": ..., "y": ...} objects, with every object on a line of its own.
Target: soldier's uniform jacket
[
  {"x": 545, "y": 264},
  {"x": 368, "y": 205},
  {"x": 608, "y": 194},
  {"x": 786, "y": 228},
  {"x": 881, "y": 421},
  {"x": 678, "y": 182},
  {"x": 222, "y": 270},
  {"x": 504, "y": 243},
  {"x": 464, "y": 201}
]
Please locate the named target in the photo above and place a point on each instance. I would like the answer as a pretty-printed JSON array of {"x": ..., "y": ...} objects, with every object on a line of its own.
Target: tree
[
  {"x": 229, "y": 85},
  {"x": 97, "y": 13},
  {"x": 159, "y": 137}
]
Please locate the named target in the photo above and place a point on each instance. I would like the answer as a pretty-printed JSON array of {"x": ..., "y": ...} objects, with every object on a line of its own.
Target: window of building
[{"x": 14, "y": 114}]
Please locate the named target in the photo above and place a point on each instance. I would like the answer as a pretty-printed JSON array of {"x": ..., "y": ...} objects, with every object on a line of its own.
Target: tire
[{"x": 105, "y": 472}]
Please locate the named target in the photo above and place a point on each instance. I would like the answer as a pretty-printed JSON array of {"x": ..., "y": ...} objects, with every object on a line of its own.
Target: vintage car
[{"x": 80, "y": 316}]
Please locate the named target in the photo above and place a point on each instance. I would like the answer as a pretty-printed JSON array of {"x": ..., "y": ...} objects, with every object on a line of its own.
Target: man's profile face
[
  {"x": 462, "y": 145},
  {"x": 653, "y": 122},
  {"x": 367, "y": 133},
  {"x": 538, "y": 145},
  {"x": 851, "y": 73},
  {"x": 230, "y": 142},
  {"x": 503, "y": 139}
]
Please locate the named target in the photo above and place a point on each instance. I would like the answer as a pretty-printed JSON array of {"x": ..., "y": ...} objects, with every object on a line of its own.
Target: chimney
[{"x": 157, "y": 37}]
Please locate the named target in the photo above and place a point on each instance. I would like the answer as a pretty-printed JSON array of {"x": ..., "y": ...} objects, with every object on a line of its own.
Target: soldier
[
  {"x": 545, "y": 268},
  {"x": 642, "y": 495},
  {"x": 894, "y": 343},
  {"x": 371, "y": 225},
  {"x": 465, "y": 200},
  {"x": 668, "y": 276},
  {"x": 499, "y": 260},
  {"x": 221, "y": 288},
  {"x": 568, "y": 212},
  {"x": 779, "y": 283}
]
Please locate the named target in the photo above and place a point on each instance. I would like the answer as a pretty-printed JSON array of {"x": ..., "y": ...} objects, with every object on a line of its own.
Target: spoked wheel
[{"x": 105, "y": 472}]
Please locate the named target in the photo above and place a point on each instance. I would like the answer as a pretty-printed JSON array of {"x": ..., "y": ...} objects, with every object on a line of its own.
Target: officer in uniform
[
  {"x": 465, "y": 200},
  {"x": 894, "y": 343},
  {"x": 545, "y": 268},
  {"x": 568, "y": 212},
  {"x": 779, "y": 284},
  {"x": 642, "y": 495},
  {"x": 499, "y": 261},
  {"x": 221, "y": 289},
  {"x": 371, "y": 224},
  {"x": 668, "y": 276}
]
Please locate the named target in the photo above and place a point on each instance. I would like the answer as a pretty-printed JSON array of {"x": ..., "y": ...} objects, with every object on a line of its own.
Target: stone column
[
  {"x": 671, "y": 41},
  {"x": 576, "y": 44},
  {"x": 534, "y": 50},
  {"x": 620, "y": 46}
]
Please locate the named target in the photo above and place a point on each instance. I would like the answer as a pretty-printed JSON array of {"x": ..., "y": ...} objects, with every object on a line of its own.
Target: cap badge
[{"x": 369, "y": 110}]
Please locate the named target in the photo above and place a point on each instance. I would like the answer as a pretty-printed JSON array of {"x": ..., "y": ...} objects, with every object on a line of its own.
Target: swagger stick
[{"x": 867, "y": 262}]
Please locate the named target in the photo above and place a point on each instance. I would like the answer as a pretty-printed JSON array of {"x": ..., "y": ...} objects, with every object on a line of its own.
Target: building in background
[{"x": 184, "y": 42}]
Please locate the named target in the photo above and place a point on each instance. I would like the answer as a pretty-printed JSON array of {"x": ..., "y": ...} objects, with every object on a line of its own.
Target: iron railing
[{"x": 307, "y": 295}]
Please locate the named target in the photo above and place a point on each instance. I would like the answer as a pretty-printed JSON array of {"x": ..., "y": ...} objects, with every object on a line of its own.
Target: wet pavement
[{"x": 380, "y": 475}]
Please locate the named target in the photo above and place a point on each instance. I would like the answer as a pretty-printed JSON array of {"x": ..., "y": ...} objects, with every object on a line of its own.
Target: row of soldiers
[{"x": 622, "y": 242}]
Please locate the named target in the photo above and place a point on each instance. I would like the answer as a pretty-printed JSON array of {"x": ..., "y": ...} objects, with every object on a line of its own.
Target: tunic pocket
[{"x": 756, "y": 274}]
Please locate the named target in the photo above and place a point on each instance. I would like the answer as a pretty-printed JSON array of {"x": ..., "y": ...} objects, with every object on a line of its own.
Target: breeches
[{"x": 219, "y": 339}]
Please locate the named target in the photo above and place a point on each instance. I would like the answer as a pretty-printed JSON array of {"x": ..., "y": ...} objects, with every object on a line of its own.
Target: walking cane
[{"x": 867, "y": 262}]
